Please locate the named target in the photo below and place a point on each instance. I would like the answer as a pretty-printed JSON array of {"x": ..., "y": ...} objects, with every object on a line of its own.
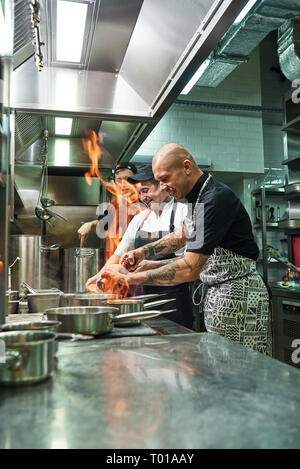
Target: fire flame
[{"x": 124, "y": 195}]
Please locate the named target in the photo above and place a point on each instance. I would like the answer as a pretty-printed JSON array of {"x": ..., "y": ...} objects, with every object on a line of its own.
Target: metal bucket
[{"x": 79, "y": 265}]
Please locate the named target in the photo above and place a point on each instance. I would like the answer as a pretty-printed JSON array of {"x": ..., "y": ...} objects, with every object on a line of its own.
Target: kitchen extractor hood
[{"x": 136, "y": 57}]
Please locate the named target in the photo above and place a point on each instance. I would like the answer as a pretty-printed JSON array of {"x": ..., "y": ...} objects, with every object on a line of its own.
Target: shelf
[
  {"x": 291, "y": 224},
  {"x": 292, "y": 125},
  {"x": 272, "y": 261},
  {"x": 268, "y": 225},
  {"x": 271, "y": 190},
  {"x": 292, "y": 191},
  {"x": 293, "y": 160}
]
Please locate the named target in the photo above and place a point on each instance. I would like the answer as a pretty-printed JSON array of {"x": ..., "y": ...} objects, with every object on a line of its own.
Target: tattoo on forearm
[
  {"x": 163, "y": 275},
  {"x": 166, "y": 245},
  {"x": 167, "y": 261}
]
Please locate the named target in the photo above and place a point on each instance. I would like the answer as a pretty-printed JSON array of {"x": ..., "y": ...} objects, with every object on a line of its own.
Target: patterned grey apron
[{"x": 236, "y": 304}]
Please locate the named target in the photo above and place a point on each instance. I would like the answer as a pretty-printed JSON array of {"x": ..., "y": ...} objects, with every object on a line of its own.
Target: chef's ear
[{"x": 187, "y": 165}]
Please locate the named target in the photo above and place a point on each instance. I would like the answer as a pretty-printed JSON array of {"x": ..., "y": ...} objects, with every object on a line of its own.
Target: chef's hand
[
  {"x": 94, "y": 280},
  {"x": 131, "y": 259},
  {"x": 115, "y": 273},
  {"x": 83, "y": 232},
  {"x": 147, "y": 265}
]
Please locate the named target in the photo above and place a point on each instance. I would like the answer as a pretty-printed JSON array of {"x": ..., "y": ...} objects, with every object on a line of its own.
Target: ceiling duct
[
  {"x": 243, "y": 37},
  {"x": 289, "y": 48}
]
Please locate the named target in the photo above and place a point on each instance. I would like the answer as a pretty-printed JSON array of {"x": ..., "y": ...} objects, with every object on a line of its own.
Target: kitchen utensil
[
  {"x": 96, "y": 299},
  {"x": 92, "y": 320},
  {"x": 80, "y": 264},
  {"x": 39, "y": 302},
  {"x": 278, "y": 213},
  {"x": 12, "y": 295},
  {"x": 46, "y": 202},
  {"x": 13, "y": 306},
  {"x": 30, "y": 357},
  {"x": 271, "y": 217},
  {"x": 46, "y": 326},
  {"x": 129, "y": 306},
  {"x": 85, "y": 299},
  {"x": 9, "y": 276}
]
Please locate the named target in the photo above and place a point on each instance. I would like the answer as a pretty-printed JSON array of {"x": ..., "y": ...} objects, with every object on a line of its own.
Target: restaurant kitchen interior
[{"x": 221, "y": 78}]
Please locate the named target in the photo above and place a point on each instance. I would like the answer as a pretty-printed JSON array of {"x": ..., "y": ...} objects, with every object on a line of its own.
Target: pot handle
[
  {"x": 140, "y": 315},
  {"x": 158, "y": 303},
  {"x": 13, "y": 360}
]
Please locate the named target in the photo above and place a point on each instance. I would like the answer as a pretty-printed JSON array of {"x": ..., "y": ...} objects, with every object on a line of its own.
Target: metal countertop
[{"x": 181, "y": 391}]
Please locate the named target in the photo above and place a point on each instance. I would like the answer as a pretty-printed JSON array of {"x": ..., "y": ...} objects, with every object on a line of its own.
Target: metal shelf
[
  {"x": 270, "y": 226},
  {"x": 290, "y": 224},
  {"x": 292, "y": 161},
  {"x": 292, "y": 191},
  {"x": 292, "y": 125},
  {"x": 271, "y": 190}
]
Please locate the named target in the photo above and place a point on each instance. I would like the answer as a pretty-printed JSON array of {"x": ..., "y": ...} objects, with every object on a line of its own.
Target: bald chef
[{"x": 219, "y": 247}]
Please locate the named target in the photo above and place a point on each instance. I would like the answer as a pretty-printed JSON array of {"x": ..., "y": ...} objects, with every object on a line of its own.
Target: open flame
[{"x": 124, "y": 196}]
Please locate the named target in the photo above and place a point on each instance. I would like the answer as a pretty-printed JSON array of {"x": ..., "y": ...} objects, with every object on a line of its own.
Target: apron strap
[{"x": 172, "y": 218}]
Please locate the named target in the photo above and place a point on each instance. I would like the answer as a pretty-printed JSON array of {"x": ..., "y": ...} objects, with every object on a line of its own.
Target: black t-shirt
[{"x": 221, "y": 221}]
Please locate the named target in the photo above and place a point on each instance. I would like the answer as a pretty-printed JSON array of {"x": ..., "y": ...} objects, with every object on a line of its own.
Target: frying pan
[
  {"x": 92, "y": 320},
  {"x": 45, "y": 326}
]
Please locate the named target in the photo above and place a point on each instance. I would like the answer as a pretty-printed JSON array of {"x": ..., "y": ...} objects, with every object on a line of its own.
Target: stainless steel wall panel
[
  {"x": 70, "y": 90},
  {"x": 163, "y": 31},
  {"x": 115, "y": 23}
]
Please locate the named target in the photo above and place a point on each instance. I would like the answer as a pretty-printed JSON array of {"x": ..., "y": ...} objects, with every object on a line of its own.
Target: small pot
[
  {"x": 12, "y": 295},
  {"x": 13, "y": 307},
  {"x": 92, "y": 320},
  {"x": 129, "y": 306},
  {"x": 85, "y": 299},
  {"x": 46, "y": 326},
  {"x": 39, "y": 302},
  {"x": 29, "y": 357}
]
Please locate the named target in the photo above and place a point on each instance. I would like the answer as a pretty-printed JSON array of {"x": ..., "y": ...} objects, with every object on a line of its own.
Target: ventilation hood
[{"x": 137, "y": 55}]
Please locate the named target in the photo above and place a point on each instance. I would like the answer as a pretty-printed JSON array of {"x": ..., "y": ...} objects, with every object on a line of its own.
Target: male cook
[
  {"x": 121, "y": 172},
  {"x": 164, "y": 215},
  {"x": 219, "y": 247}
]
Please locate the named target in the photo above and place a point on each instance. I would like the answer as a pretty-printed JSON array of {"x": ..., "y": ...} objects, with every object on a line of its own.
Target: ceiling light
[
  {"x": 196, "y": 77},
  {"x": 244, "y": 11},
  {"x": 71, "y": 18},
  {"x": 63, "y": 125}
]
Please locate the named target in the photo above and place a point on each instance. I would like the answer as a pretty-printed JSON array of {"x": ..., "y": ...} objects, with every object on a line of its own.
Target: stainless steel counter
[{"x": 184, "y": 391}]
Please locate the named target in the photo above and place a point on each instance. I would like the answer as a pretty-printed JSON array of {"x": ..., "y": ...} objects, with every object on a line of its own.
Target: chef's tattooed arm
[
  {"x": 186, "y": 269},
  {"x": 166, "y": 245}
]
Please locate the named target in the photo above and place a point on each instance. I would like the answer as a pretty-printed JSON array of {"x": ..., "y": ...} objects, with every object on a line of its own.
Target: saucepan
[
  {"x": 46, "y": 326},
  {"x": 129, "y": 306},
  {"x": 95, "y": 299},
  {"x": 92, "y": 320},
  {"x": 29, "y": 357}
]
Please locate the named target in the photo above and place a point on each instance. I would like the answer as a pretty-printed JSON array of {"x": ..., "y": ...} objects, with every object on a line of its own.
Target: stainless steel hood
[{"x": 137, "y": 56}]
